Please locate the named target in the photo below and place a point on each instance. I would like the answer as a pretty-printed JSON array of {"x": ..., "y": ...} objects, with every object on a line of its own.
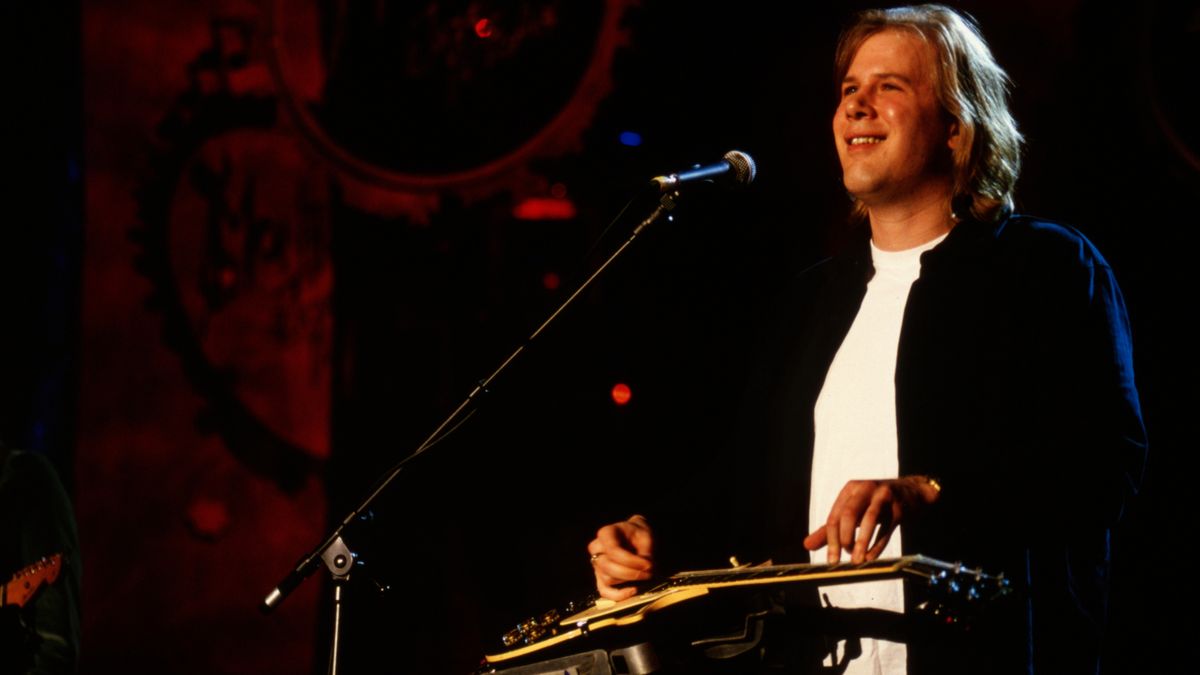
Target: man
[
  {"x": 959, "y": 386},
  {"x": 36, "y": 522}
]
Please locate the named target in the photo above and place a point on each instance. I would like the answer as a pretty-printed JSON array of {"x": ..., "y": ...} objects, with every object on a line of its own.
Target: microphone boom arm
[{"x": 312, "y": 561}]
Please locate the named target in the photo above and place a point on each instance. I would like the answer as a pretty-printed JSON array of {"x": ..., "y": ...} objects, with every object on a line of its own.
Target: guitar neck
[{"x": 917, "y": 565}]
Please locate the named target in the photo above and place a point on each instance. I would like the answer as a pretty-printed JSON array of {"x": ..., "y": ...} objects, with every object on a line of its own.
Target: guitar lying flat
[
  {"x": 21, "y": 588},
  {"x": 945, "y": 583}
]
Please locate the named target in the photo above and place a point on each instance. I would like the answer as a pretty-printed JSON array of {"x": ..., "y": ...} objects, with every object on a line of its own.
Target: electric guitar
[
  {"x": 28, "y": 580},
  {"x": 949, "y": 587}
]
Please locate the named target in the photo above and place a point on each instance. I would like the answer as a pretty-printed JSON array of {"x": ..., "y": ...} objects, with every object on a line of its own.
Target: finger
[
  {"x": 614, "y": 584},
  {"x": 639, "y": 520},
  {"x": 595, "y": 547},
  {"x": 605, "y": 579},
  {"x": 617, "y": 535},
  {"x": 889, "y": 520},
  {"x": 625, "y": 558},
  {"x": 637, "y": 531},
  {"x": 885, "y": 535},
  {"x": 843, "y": 517},
  {"x": 622, "y": 555},
  {"x": 815, "y": 540},
  {"x": 615, "y": 545},
  {"x": 618, "y": 594},
  {"x": 610, "y": 536},
  {"x": 867, "y": 527},
  {"x": 833, "y": 546},
  {"x": 637, "y": 540},
  {"x": 847, "y": 530},
  {"x": 617, "y": 573}
]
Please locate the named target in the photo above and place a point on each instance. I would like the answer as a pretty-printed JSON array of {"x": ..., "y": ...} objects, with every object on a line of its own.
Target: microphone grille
[{"x": 743, "y": 166}]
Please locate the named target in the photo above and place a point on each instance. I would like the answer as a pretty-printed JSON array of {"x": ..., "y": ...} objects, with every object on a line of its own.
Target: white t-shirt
[{"x": 855, "y": 437}]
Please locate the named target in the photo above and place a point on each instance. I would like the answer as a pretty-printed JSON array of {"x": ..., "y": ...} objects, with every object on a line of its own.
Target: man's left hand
[{"x": 864, "y": 504}]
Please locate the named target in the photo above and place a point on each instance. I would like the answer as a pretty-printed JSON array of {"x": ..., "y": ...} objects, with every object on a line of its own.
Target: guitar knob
[
  {"x": 533, "y": 629},
  {"x": 524, "y": 633},
  {"x": 577, "y": 606}
]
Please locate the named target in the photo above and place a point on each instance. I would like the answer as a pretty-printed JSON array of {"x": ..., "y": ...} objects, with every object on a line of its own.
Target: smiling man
[
  {"x": 959, "y": 384},
  {"x": 895, "y": 140}
]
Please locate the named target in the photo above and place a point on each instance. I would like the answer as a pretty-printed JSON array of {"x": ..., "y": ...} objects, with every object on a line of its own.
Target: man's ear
[{"x": 953, "y": 137}]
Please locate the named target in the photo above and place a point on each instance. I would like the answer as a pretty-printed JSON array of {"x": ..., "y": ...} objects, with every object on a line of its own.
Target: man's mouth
[{"x": 865, "y": 140}]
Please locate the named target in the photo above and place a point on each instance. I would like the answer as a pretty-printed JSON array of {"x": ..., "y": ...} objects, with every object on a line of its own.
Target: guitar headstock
[
  {"x": 28, "y": 580},
  {"x": 956, "y": 593}
]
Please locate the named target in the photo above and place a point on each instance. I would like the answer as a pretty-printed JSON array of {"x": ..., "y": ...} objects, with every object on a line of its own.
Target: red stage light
[
  {"x": 483, "y": 28},
  {"x": 544, "y": 208},
  {"x": 550, "y": 281},
  {"x": 621, "y": 393}
]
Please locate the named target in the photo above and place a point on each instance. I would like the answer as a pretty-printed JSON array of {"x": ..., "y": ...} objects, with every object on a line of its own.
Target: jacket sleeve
[
  {"x": 1062, "y": 448},
  {"x": 1093, "y": 437}
]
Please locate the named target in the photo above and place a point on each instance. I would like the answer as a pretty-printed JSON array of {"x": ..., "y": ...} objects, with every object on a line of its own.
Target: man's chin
[
  {"x": 866, "y": 194},
  {"x": 863, "y": 185}
]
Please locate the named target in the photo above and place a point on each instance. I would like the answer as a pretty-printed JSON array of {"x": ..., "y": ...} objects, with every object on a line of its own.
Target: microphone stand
[{"x": 333, "y": 551}]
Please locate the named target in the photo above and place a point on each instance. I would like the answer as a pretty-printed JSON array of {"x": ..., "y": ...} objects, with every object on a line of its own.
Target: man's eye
[{"x": 846, "y": 91}]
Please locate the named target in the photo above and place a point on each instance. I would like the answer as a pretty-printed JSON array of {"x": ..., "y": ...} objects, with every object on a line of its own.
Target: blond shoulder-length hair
[{"x": 971, "y": 87}]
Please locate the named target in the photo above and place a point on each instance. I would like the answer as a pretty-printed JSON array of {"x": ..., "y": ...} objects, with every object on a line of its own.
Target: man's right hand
[{"x": 622, "y": 554}]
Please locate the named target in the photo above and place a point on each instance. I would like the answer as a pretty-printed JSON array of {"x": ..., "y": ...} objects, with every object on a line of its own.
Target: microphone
[{"x": 736, "y": 168}]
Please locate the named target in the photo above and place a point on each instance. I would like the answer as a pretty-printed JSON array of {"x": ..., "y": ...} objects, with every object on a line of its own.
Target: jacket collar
[{"x": 968, "y": 238}]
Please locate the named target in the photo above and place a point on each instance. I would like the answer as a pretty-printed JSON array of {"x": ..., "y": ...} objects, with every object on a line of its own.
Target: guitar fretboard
[{"x": 915, "y": 564}]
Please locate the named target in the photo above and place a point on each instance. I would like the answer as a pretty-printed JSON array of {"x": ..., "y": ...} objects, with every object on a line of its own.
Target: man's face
[{"x": 892, "y": 136}]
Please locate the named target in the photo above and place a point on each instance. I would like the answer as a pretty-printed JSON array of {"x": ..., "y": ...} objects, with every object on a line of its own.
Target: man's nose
[{"x": 858, "y": 106}]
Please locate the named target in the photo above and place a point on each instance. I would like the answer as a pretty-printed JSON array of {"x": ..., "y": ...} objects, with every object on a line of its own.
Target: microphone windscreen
[{"x": 743, "y": 166}]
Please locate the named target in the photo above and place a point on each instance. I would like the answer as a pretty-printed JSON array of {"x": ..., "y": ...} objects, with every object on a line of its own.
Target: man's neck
[{"x": 910, "y": 223}]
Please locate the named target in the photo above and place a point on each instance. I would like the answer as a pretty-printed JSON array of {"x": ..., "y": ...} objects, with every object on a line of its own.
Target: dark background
[{"x": 491, "y": 527}]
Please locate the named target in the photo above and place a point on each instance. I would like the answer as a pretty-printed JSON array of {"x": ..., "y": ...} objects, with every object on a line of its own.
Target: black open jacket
[{"x": 1014, "y": 389}]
